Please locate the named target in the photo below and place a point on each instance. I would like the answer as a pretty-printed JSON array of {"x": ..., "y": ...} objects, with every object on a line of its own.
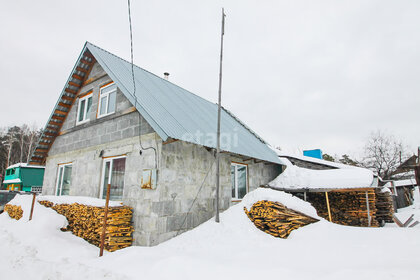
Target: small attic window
[
  {"x": 107, "y": 100},
  {"x": 83, "y": 110}
]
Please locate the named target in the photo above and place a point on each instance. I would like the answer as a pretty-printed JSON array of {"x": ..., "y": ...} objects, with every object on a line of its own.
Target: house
[
  {"x": 24, "y": 177},
  {"x": 341, "y": 193},
  {"x": 152, "y": 141}
]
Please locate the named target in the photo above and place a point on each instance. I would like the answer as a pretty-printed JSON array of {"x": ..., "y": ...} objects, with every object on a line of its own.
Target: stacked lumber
[
  {"x": 276, "y": 219},
  {"x": 347, "y": 207},
  {"x": 15, "y": 212},
  {"x": 384, "y": 207},
  {"x": 87, "y": 222}
]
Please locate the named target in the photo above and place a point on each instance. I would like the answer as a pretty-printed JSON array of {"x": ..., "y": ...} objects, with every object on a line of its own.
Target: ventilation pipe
[{"x": 166, "y": 76}]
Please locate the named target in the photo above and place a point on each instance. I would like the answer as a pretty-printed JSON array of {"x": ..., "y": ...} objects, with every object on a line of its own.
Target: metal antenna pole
[{"x": 218, "y": 121}]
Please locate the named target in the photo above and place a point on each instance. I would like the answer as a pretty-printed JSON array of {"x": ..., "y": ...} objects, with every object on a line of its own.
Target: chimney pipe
[{"x": 166, "y": 76}]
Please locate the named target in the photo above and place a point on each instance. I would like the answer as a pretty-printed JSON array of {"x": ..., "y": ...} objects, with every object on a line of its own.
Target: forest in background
[{"x": 17, "y": 144}]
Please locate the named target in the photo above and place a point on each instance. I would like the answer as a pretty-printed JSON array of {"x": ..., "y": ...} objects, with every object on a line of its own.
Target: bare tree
[
  {"x": 383, "y": 153},
  {"x": 33, "y": 138},
  {"x": 8, "y": 143}
]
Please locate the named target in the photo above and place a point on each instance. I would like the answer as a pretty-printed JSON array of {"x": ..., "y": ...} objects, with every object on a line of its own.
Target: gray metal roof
[{"x": 174, "y": 112}]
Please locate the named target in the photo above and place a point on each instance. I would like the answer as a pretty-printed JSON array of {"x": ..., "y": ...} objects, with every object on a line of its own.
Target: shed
[
  {"x": 403, "y": 191},
  {"x": 24, "y": 177},
  {"x": 347, "y": 196}
]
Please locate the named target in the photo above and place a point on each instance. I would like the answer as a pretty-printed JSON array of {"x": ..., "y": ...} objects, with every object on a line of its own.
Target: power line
[{"x": 134, "y": 88}]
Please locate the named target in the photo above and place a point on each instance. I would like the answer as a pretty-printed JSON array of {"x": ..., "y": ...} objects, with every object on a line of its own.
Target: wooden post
[
  {"x": 32, "y": 207},
  {"x": 368, "y": 209},
  {"x": 101, "y": 251},
  {"x": 304, "y": 196},
  {"x": 328, "y": 206}
]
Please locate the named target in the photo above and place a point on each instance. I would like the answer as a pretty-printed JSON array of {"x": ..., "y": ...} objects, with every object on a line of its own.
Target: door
[
  {"x": 113, "y": 173},
  {"x": 63, "y": 179}
]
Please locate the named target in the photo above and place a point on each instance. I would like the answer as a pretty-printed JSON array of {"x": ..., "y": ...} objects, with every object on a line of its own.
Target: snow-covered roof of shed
[
  {"x": 12, "y": 181},
  {"x": 297, "y": 178},
  {"x": 406, "y": 182},
  {"x": 298, "y": 155},
  {"x": 23, "y": 164}
]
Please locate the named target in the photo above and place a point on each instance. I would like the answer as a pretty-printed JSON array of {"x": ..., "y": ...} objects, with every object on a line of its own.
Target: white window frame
[
  {"x": 62, "y": 165},
  {"x": 236, "y": 179},
  {"x": 111, "y": 163},
  {"x": 101, "y": 95},
  {"x": 85, "y": 118}
]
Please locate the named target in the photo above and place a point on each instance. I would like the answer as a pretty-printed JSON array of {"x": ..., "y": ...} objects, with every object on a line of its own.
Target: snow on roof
[
  {"x": 406, "y": 182},
  {"x": 295, "y": 177},
  {"x": 12, "y": 181},
  {"x": 282, "y": 153},
  {"x": 22, "y": 164}
]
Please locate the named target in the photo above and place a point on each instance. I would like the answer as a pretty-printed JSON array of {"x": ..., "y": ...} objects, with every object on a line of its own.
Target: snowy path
[{"x": 234, "y": 249}]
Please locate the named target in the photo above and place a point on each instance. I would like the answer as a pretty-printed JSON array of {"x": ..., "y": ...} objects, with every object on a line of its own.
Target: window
[
  {"x": 107, "y": 100},
  {"x": 239, "y": 177},
  {"x": 83, "y": 111},
  {"x": 63, "y": 179},
  {"x": 113, "y": 173}
]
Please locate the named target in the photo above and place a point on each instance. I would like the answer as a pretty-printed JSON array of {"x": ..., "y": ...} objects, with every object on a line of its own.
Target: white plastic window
[
  {"x": 113, "y": 171},
  {"x": 107, "y": 100},
  {"x": 239, "y": 178},
  {"x": 83, "y": 111},
  {"x": 63, "y": 179}
]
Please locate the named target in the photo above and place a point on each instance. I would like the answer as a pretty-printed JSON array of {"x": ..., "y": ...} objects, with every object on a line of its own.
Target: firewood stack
[
  {"x": 347, "y": 207},
  {"x": 384, "y": 206},
  {"x": 86, "y": 222},
  {"x": 15, "y": 212},
  {"x": 276, "y": 219}
]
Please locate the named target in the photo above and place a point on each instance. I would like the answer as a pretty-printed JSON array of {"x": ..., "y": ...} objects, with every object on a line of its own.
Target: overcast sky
[{"x": 302, "y": 74}]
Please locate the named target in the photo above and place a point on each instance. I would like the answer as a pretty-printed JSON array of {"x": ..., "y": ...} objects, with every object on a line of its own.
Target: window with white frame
[
  {"x": 113, "y": 173},
  {"x": 63, "y": 179},
  {"x": 83, "y": 110},
  {"x": 239, "y": 178},
  {"x": 107, "y": 100}
]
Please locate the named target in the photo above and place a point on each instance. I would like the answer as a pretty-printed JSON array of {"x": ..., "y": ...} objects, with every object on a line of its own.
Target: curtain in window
[
  {"x": 114, "y": 174},
  {"x": 241, "y": 172}
]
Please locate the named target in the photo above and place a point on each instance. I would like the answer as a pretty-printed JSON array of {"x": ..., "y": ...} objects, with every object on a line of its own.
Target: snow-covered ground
[{"x": 233, "y": 249}]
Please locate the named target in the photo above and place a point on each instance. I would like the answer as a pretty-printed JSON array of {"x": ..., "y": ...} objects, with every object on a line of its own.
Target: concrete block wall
[{"x": 184, "y": 169}]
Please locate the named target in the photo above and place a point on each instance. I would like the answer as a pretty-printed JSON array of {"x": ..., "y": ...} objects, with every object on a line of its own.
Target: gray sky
[{"x": 302, "y": 74}]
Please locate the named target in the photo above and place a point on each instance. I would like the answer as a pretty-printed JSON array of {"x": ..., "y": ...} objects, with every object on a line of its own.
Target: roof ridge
[
  {"x": 151, "y": 73},
  {"x": 244, "y": 125}
]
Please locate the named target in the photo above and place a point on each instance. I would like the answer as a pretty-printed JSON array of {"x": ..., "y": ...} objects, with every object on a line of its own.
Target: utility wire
[
  {"x": 196, "y": 196},
  {"x": 134, "y": 88}
]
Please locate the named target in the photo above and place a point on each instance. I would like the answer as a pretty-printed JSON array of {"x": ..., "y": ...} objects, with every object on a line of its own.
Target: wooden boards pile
[
  {"x": 276, "y": 219},
  {"x": 15, "y": 212},
  {"x": 347, "y": 207},
  {"x": 384, "y": 207},
  {"x": 86, "y": 222}
]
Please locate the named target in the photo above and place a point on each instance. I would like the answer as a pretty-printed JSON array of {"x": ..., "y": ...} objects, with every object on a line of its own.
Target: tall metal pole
[{"x": 218, "y": 120}]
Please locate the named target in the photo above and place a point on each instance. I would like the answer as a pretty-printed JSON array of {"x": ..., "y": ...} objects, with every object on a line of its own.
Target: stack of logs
[
  {"x": 15, "y": 212},
  {"x": 276, "y": 219},
  {"x": 347, "y": 207},
  {"x": 86, "y": 222},
  {"x": 384, "y": 207}
]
